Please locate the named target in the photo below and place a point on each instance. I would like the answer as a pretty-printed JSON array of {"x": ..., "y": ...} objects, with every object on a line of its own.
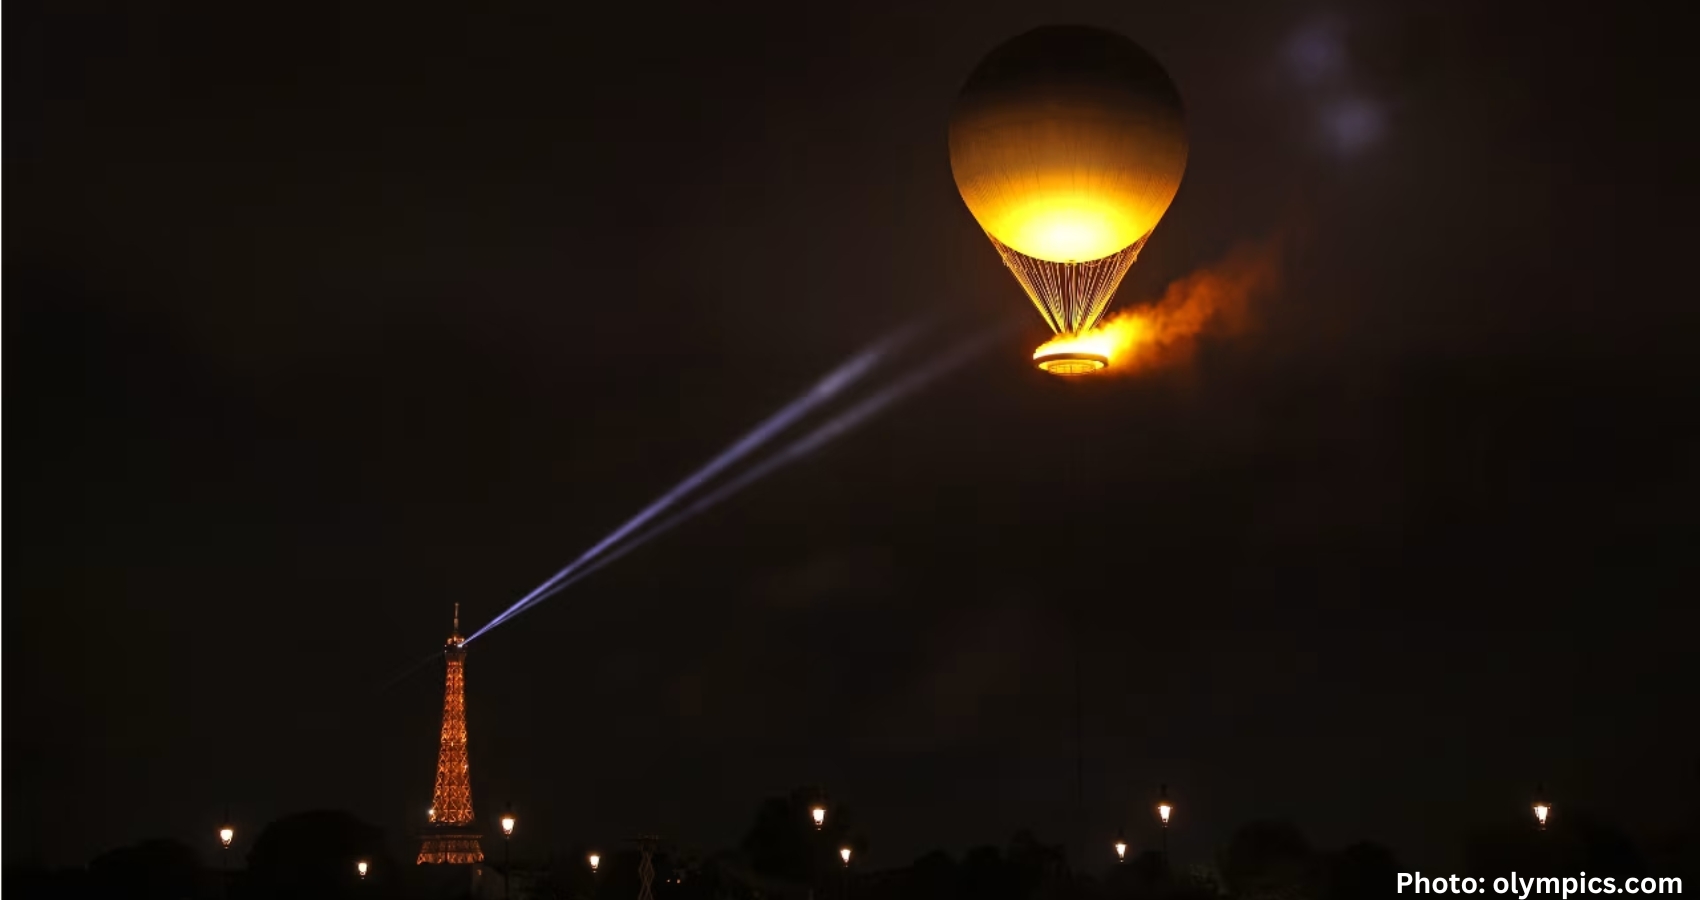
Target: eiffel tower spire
[{"x": 452, "y": 836}]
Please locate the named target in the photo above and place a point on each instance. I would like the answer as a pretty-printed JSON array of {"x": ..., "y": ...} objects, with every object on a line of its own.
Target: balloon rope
[{"x": 1071, "y": 297}]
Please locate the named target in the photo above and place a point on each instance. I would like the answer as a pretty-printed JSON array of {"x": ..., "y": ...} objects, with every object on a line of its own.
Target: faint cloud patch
[
  {"x": 1348, "y": 119},
  {"x": 1316, "y": 53},
  {"x": 1354, "y": 125}
]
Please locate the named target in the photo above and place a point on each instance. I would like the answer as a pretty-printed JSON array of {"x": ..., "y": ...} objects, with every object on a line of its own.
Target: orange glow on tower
[{"x": 451, "y": 836}]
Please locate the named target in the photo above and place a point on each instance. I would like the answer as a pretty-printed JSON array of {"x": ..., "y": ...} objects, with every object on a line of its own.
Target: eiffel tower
[
  {"x": 451, "y": 836},
  {"x": 647, "y": 845}
]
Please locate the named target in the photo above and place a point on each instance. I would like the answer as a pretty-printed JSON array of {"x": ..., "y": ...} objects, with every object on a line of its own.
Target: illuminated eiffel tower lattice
[
  {"x": 451, "y": 835},
  {"x": 646, "y": 869}
]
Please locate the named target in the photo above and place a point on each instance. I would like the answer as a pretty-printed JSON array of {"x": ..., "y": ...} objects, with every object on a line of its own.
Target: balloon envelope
[{"x": 1068, "y": 143}]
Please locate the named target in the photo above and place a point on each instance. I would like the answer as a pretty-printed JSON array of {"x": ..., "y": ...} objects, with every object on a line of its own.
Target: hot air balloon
[{"x": 1068, "y": 144}]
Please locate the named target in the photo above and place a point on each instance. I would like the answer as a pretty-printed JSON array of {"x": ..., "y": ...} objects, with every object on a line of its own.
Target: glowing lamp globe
[
  {"x": 818, "y": 813},
  {"x": 1165, "y": 806},
  {"x": 508, "y": 825},
  {"x": 226, "y": 835},
  {"x": 361, "y": 867},
  {"x": 844, "y": 854},
  {"x": 1121, "y": 849},
  {"x": 1542, "y": 810},
  {"x": 595, "y": 861}
]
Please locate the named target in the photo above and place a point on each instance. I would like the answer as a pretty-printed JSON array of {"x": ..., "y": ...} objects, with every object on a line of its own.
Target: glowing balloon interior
[{"x": 1068, "y": 144}]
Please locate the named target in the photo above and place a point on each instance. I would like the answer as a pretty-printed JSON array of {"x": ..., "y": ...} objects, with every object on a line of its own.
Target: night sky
[{"x": 320, "y": 322}]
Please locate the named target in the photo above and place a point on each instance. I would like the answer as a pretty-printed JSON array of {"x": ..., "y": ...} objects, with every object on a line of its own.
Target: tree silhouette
[
  {"x": 1361, "y": 870},
  {"x": 1146, "y": 875},
  {"x": 40, "y": 881},
  {"x": 1579, "y": 842},
  {"x": 982, "y": 876},
  {"x": 313, "y": 854},
  {"x": 779, "y": 842},
  {"x": 782, "y": 842},
  {"x": 932, "y": 877},
  {"x": 1033, "y": 868},
  {"x": 162, "y": 869},
  {"x": 1269, "y": 860}
]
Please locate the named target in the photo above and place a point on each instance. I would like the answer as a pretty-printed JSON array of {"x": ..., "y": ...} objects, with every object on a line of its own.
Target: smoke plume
[{"x": 1217, "y": 299}]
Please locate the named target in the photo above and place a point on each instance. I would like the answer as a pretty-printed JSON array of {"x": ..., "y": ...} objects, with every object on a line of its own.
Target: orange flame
[{"x": 1163, "y": 332}]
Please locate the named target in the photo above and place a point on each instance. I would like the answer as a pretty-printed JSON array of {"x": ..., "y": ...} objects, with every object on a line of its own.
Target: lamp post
[
  {"x": 1165, "y": 809},
  {"x": 361, "y": 867},
  {"x": 1121, "y": 847},
  {"x": 1543, "y": 809},
  {"x": 226, "y": 834},
  {"x": 844, "y": 854},
  {"x": 595, "y": 861},
  {"x": 817, "y": 815},
  {"x": 507, "y": 849}
]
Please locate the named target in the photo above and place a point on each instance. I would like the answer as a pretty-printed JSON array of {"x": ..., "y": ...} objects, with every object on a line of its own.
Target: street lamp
[
  {"x": 361, "y": 867},
  {"x": 507, "y": 848},
  {"x": 1165, "y": 809},
  {"x": 595, "y": 861},
  {"x": 1542, "y": 809},
  {"x": 1121, "y": 847},
  {"x": 226, "y": 834},
  {"x": 844, "y": 854},
  {"x": 817, "y": 815}
]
